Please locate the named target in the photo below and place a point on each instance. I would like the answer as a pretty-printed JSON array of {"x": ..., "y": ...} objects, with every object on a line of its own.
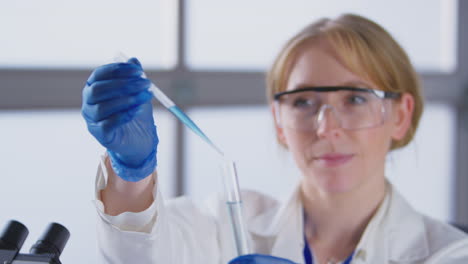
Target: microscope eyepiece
[
  {"x": 52, "y": 241},
  {"x": 13, "y": 236}
]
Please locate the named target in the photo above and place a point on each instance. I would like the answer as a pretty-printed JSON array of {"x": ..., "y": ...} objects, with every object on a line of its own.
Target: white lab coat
[{"x": 181, "y": 232}]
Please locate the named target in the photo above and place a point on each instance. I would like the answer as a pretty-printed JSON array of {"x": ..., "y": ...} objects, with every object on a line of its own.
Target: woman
[{"x": 343, "y": 94}]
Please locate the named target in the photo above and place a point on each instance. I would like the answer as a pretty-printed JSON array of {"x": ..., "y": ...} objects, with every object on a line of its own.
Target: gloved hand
[
  {"x": 259, "y": 259},
  {"x": 118, "y": 112}
]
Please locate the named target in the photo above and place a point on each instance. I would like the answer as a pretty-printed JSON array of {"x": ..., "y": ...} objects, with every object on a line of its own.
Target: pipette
[{"x": 174, "y": 109}]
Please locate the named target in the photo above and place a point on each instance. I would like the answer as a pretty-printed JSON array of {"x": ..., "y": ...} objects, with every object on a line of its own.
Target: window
[
  {"x": 248, "y": 34},
  {"x": 85, "y": 34},
  {"x": 48, "y": 164}
]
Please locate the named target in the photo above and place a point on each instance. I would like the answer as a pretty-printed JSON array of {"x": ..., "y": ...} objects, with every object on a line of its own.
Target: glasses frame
[{"x": 379, "y": 93}]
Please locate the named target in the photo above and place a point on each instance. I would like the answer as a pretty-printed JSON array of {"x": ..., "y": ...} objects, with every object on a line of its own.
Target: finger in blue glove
[{"x": 259, "y": 259}]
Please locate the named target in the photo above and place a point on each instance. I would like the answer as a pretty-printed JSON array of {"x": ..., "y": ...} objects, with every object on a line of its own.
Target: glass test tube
[{"x": 234, "y": 203}]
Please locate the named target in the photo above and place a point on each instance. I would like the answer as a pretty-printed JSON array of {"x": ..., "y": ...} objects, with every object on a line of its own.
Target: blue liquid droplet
[{"x": 190, "y": 124}]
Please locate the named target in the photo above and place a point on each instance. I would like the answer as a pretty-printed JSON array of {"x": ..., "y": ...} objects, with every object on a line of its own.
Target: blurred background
[{"x": 210, "y": 57}]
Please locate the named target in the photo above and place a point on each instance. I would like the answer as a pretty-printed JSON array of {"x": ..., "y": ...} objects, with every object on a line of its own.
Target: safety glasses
[{"x": 353, "y": 108}]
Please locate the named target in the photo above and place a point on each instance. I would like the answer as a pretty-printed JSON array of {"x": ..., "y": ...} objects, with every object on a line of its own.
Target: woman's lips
[{"x": 334, "y": 159}]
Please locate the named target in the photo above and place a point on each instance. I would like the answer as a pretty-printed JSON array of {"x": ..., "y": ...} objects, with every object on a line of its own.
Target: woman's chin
[{"x": 332, "y": 183}]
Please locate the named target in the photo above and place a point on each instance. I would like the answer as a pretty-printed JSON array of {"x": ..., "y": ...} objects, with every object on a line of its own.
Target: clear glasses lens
[{"x": 353, "y": 109}]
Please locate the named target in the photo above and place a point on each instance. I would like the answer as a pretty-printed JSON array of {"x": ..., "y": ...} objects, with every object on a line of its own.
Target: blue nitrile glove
[
  {"x": 259, "y": 259},
  {"x": 118, "y": 112}
]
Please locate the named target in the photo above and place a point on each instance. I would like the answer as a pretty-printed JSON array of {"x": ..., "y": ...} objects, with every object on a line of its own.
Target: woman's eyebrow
[
  {"x": 359, "y": 84},
  {"x": 304, "y": 85}
]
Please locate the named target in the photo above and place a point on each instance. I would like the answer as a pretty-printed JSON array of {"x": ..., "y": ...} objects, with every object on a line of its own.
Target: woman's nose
[{"x": 327, "y": 120}]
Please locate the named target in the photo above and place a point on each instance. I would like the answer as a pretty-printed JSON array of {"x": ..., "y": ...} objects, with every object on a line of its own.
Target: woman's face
[{"x": 334, "y": 160}]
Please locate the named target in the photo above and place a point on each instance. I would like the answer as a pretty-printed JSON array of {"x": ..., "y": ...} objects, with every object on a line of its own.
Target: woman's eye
[
  {"x": 356, "y": 99},
  {"x": 302, "y": 102}
]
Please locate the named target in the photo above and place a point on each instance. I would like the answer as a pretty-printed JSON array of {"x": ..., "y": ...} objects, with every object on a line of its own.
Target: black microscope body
[{"x": 47, "y": 249}]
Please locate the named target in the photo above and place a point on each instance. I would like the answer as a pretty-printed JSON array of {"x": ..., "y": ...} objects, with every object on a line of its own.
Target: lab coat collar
[
  {"x": 407, "y": 236},
  {"x": 396, "y": 232}
]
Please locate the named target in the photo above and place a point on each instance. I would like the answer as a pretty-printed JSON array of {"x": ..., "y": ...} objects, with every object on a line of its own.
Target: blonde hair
[{"x": 366, "y": 49}]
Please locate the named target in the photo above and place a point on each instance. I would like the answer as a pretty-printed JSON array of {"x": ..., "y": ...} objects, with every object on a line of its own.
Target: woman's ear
[
  {"x": 402, "y": 116},
  {"x": 279, "y": 130}
]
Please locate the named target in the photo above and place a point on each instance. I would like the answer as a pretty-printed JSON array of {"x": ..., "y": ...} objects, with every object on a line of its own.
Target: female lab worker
[{"x": 343, "y": 94}]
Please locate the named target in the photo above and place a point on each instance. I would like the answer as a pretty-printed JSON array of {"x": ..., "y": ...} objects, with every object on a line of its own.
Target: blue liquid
[{"x": 190, "y": 124}]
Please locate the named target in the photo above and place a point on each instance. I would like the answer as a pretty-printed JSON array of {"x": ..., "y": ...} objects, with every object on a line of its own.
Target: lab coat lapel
[
  {"x": 407, "y": 237},
  {"x": 288, "y": 226},
  {"x": 396, "y": 234}
]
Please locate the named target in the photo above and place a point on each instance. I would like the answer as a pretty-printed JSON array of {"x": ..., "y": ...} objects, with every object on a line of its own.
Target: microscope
[{"x": 47, "y": 249}]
